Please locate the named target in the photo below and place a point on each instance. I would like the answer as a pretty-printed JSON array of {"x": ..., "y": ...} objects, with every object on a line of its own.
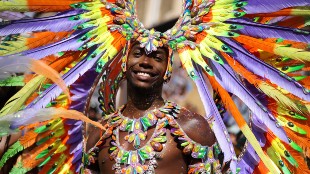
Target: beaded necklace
[
  {"x": 135, "y": 160},
  {"x": 137, "y": 128}
]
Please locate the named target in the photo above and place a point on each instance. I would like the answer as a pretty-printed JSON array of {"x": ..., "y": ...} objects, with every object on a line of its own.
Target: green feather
[
  {"x": 42, "y": 154},
  {"x": 52, "y": 169},
  {"x": 295, "y": 146},
  {"x": 13, "y": 150},
  {"x": 43, "y": 140},
  {"x": 18, "y": 168},
  {"x": 13, "y": 81},
  {"x": 45, "y": 161}
]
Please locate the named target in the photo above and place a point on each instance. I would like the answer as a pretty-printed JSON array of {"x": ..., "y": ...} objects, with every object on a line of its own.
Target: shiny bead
[
  {"x": 281, "y": 163},
  {"x": 76, "y": 17},
  {"x": 287, "y": 154},
  {"x": 278, "y": 60},
  {"x": 284, "y": 68},
  {"x": 291, "y": 113},
  {"x": 158, "y": 147},
  {"x": 233, "y": 27},
  {"x": 290, "y": 124}
]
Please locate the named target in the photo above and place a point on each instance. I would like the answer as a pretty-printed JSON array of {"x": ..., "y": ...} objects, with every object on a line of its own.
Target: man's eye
[
  {"x": 137, "y": 54},
  {"x": 158, "y": 58}
]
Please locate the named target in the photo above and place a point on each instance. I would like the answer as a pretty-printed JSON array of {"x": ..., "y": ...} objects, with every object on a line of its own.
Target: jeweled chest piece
[{"x": 137, "y": 128}]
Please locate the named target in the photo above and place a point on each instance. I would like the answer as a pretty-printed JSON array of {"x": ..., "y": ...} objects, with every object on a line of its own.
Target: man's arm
[{"x": 196, "y": 127}]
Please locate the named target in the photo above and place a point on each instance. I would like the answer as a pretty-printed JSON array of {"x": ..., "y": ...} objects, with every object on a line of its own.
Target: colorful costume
[{"x": 254, "y": 49}]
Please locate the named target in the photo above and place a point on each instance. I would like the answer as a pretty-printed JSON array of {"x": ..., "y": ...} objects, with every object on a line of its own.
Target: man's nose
[{"x": 146, "y": 62}]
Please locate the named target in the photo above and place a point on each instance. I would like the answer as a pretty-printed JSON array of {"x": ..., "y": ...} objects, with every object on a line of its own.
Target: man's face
[{"x": 146, "y": 71}]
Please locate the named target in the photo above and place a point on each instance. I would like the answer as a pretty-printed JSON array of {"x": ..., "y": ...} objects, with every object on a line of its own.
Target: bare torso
[{"x": 172, "y": 159}]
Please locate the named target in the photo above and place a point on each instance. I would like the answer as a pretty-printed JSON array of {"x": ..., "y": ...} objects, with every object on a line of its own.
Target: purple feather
[
  {"x": 73, "y": 122},
  {"x": 76, "y": 146},
  {"x": 77, "y": 156},
  {"x": 265, "y": 70},
  {"x": 219, "y": 127},
  {"x": 78, "y": 166},
  {"x": 267, "y": 6},
  {"x": 75, "y": 138},
  {"x": 74, "y": 129},
  {"x": 81, "y": 88},
  {"x": 59, "y": 22},
  {"x": 69, "y": 78},
  {"x": 248, "y": 161},
  {"x": 9, "y": 15},
  {"x": 264, "y": 31},
  {"x": 72, "y": 43},
  {"x": 227, "y": 79}
]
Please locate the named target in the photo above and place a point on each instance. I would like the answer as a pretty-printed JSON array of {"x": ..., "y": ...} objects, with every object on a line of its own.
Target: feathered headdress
[{"x": 254, "y": 49}]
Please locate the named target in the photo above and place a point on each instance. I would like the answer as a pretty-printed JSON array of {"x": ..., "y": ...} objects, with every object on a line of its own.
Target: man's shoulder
[{"x": 196, "y": 127}]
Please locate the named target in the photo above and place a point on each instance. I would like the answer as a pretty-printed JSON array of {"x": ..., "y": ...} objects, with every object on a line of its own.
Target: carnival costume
[{"x": 254, "y": 49}]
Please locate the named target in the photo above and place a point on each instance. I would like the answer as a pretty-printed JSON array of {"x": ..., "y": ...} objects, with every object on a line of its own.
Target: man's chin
[{"x": 145, "y": 86}]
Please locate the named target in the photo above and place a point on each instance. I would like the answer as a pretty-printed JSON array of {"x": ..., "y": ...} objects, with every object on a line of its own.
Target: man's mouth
[{"x": 144, "y": 74}]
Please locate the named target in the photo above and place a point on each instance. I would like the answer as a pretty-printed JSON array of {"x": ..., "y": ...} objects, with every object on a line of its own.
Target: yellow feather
[
  {"x": 16, "y": 102},
  {"x": 278, "y": 96}
]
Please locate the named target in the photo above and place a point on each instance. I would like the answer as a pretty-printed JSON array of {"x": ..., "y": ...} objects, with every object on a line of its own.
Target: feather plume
[
  {"x": 262, "y": 85},
  {"x": 70, "y": 77},
  {"x": 263, "y": 69},
  {"x": 294, "y": 53},
  {"x": 31, "y": 115},
  {"x": 13, "y": 150},
  {"x": 71, "y": 43},
  {"x": 35, "y": 40},
  {"x": 41, "y": 68},
  {"x": 17, "y": 100},
  {"x": 212, "y": 113},
  {"x": 230, "y": 106},
  {"x": 267, "y": 6},
  {"x": 227, "y": 79},
  {"x": 263, "y": 31},
  {"x": 37, "y": 5},
  {"x": 57, "y": 23}
]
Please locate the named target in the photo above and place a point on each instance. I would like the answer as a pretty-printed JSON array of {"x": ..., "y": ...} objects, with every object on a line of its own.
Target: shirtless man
[{"x": 145, "y": 81}]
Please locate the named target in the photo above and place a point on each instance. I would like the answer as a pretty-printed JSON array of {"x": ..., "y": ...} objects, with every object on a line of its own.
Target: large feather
[
  {"x": 267, "y": 6},
  {"x": 59, "y": 22},
  {"x": 218, "y": 125},
  {"x": 230, "y": 105},
  {"x": 30, "y": 116},
  {"x": 71, "y": 43},
  {"x": 37, "y": 5},
  {"x": 258, "y": 30},
  {"x": 227, "y": 79},
  {"x": 16, "y": 102},
  {"x": 69, "y": 78},
  {"x": 264, "y": 70}
]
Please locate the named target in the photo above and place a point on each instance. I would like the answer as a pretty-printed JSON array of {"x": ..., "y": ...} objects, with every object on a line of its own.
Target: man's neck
[{"x": 140, "y": 101}]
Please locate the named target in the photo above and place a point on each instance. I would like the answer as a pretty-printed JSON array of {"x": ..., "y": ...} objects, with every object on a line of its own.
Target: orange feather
[
  {"x": 228, "y": 102},
  {"x": 41, "y": 68},
  {"x": 302, "y": 165},
  {"x": 257, "y": 43},
  {"x": 51, "y": 6},
  {"x": 44, "y": 38}
]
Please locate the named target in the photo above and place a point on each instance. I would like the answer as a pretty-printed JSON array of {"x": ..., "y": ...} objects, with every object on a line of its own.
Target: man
[{"x": 145, "y": 81}]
